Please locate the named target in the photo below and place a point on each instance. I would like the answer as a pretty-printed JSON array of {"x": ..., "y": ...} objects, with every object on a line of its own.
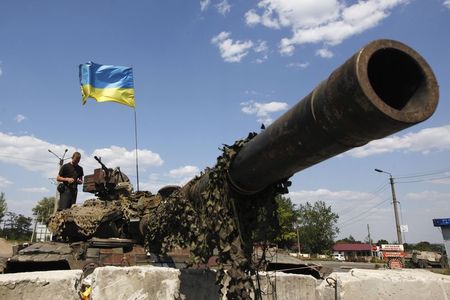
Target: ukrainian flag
[{"x": 107, "y": 83}]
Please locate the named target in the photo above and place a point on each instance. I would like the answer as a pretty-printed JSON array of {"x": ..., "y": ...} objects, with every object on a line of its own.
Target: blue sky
[{"x": 207, "y": 73}]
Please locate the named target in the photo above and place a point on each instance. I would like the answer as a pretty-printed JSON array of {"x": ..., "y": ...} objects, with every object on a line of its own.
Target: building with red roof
[{"x": 353, "y": 251}]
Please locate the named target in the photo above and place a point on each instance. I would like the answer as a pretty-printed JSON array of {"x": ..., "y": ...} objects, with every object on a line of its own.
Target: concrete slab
[
  {"x": 387, "y": 284},
  {"x": 279, "y": 285},
  {"x": 58, "y": 285},
  {"x": 138, "y": 282},
  {"x": 149, "y": 282}
]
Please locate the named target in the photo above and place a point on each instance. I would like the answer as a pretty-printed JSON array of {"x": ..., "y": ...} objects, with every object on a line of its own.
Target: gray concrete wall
[
  {"x": 148, "y": 282},
  {"x": 278, "y": 285},
  {"x": 58, "y": 285},
  {"x": 387, "y": 284}
]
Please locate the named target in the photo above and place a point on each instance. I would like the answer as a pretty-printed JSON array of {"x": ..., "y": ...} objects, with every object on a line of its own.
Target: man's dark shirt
[{"x": 70, "y": 171}]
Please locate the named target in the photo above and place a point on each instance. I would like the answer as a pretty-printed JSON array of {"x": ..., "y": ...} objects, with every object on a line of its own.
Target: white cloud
[
  {"x": 19, "y": 118},
  {"x": 36, "y": 190},
  {"x": 4, "y": 182},
  {"x": 231, "y": 51},
  {"x": 327, "y": 21},
  {"x": 189, "y": 171},
  {"x": 427, "y": 205},
  {"x": 424, "y": 141},
  {"x": 349, "y": 205},
  {"x": 325, "y": 53},
  {"x": 32, "y": 154},
  {"x": 262, "y": 49},
  {"x": 356, "y": 209},
  {"x": 445, "y": 180},
  {"x": 115, "y": 156},
  {"x": 447, "y": 3},
  {"x": 223, "y": 7},
  {"x": 298, "y": 65},
  {"x": 330, "y": 196},
  {"x": 204, "y": 4},
  {"x": 263, "y": 110},
  {"x": 429, "y": 196},
  {"x": 179, "y": 176}
]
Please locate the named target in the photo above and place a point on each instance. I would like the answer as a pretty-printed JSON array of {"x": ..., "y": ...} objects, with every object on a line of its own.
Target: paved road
[{"x": 343, "y": 266}]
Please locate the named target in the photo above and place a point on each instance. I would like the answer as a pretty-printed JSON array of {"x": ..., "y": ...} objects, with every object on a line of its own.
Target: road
[{"x": 343, "y": 266}]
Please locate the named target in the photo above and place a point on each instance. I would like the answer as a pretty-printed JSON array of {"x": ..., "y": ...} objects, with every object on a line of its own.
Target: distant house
[
  {"x": 353, "y": 251},
  {"x": 42, "y": 233}
]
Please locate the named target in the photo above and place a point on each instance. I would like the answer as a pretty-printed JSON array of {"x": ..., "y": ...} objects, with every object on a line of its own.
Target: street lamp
[{"x": 395, "y": 202}]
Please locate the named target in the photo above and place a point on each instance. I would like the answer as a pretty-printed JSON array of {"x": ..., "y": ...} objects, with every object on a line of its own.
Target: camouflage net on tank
[
  {"x": 222, "y": 220},
  {"x": 87, "y": 218}
]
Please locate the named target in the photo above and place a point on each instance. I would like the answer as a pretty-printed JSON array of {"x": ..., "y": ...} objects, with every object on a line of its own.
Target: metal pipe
[{"x": 384, "y": 88}]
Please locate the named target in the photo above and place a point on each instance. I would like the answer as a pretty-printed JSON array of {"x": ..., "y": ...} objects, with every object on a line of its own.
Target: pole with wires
[
  {"x": 136, "y": 145},
  {"x": 395, "y": 204},
  {"x": 60, "y": 164},
  {"x": 370, "y": 240}
]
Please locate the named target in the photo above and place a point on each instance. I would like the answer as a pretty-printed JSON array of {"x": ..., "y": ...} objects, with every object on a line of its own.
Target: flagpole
[{"x": 136, "y": 144}]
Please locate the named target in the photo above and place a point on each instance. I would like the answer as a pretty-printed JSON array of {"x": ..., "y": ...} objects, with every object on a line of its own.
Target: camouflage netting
[
  {"x": 221, "y": 219},
  {"x": 87, "y": 218}
]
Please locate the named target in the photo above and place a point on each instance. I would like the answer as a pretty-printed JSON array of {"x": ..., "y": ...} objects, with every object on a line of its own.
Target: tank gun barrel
[
  {"x": 101, "y": 164},
  {"x": 384, "y": 88},
  {"x": 104, "y": 168}
]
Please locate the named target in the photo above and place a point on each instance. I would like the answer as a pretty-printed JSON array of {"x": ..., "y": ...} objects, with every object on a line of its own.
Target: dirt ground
[{"x": 5, "y": 248}]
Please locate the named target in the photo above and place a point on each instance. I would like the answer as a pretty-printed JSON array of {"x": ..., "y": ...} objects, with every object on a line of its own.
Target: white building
[{"x": 42, "y": 233}]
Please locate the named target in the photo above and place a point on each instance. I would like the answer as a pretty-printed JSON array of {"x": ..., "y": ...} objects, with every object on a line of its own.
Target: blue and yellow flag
[{"x": 107, "y": 83}]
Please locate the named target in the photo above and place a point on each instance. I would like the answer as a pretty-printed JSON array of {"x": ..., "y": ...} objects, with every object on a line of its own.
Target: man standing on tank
[{"x": 71, "y": 174}]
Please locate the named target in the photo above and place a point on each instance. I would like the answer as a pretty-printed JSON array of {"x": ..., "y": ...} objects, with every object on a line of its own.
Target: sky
[{"x": 207, "y": 73}]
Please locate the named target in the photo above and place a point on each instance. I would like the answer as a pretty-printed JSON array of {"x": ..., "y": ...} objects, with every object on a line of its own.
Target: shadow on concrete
[{"x": 198, "y": 284}]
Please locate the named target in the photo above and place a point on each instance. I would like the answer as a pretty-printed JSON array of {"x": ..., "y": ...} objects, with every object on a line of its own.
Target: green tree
[
  {"x": 382, "y": 242},
  {"x": 423, "y": 246},
  {"x": 3, "y": 206},
  {"x": 348, "y": 240},
  {"x": 287, "y": 218},
  {"x": 317, "y": 227},
  {"x": 17, "y": 226},
  {"x": 44, "y": 208},
  {"x": 23, "y": 227}
]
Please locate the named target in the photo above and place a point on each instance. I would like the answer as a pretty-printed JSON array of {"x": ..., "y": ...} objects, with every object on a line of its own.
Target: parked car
[{"x": 338, "y": 257}]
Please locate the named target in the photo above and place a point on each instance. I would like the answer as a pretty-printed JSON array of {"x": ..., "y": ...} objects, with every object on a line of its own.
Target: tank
[
  {"x": 226, "y": 210},
  {"x": 102, "y": 231}
]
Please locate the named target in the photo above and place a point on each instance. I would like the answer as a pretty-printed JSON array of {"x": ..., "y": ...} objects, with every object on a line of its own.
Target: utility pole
[
  {"x": 34, "y": 230},
  {"x": 395, "y": 203},
  {"x": 298, "y": 240},
  {"x": 370, "y": 240},
  {"x": 60, "y": 164}
]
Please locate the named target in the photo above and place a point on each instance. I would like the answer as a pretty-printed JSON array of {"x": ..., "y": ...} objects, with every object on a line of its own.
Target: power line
[
  {"x": 27, "y": 159},
  {"x": 379, "y": 189},
  {"x": 362, "y": 215},
  {"x": 423, "y": 180},
  {"x": 426, "y": 173}
]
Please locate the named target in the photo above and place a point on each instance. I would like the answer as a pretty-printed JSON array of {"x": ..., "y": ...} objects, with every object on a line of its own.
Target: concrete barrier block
[
  {"x": 149, "y": 282},
  {"x": 387, "y": 284},
  {"x": 138, "y": 282},
  {"x": 279, "y": 285},
  {"x": 58, "y": 285}
]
